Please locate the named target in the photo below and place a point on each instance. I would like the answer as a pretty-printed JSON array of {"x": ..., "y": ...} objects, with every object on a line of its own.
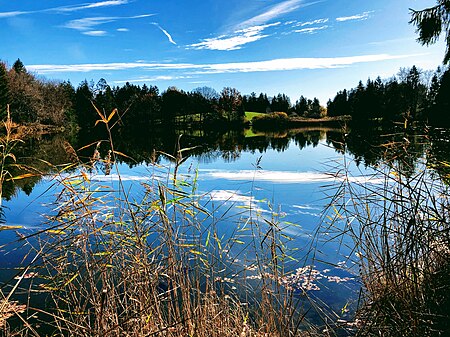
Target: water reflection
[{"x": 367, "y": 144}]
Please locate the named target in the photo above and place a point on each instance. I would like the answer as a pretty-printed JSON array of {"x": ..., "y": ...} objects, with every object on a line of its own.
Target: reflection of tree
[
  {"x": 368, "y": 145},
  {"x": 371, "y": 144},
  {"x": 34, "y": 157}
]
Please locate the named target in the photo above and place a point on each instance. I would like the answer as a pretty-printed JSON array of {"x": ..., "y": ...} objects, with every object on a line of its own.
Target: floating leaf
[
  {"x": 196, "y": 252},
  {"x": 22, "y": 176},
  {"x": 56, "y": 231},
  {"x": 5, "y": 228}
]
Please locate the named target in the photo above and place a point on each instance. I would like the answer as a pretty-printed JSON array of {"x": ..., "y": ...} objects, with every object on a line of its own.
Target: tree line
[
  {"x": 37, "y": 100},
  {"x": 413, "y": 94}
]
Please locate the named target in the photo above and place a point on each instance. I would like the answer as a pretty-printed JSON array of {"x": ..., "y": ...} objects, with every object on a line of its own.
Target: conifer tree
[
  {"x": 3, "y": 90},
  {"x": 431, "y": 23}
]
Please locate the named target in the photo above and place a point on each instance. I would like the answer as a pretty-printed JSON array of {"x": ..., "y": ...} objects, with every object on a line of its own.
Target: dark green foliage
[
  {"x": 309, "y": 108},
  {"x": 339, "y": 106},
  {"x": 3, "y": 90},
  {"x": 83, "y": 106},
  {"x": 440, "y": 112},
  {"x": 272, "y": 121},
  {"x": 19, "y": 67},
  {"x": 256, "y": 104},
  {"x": 280, "y": 103},
  {"x": 173, "y": 104},
  {"x": 230, "y": 102},
  {"x": 397, "y": 99},
  {"x": 431, "y": 23}
]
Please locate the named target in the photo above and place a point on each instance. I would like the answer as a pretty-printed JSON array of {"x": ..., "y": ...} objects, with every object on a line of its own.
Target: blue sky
[{"x": 297, "y": 47}]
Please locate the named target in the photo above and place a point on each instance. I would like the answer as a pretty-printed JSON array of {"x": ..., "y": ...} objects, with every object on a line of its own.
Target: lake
[{"x": 286, "y": 178}]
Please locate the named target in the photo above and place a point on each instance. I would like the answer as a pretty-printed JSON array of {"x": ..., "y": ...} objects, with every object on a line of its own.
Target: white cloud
[
  {"x": 52, "y": 68},
  {"x": 11, "y": 14},
  {"x": 362, "y": 16},
  {"x": 310, "y": 23},
  {"x": 297, "y": 63},
  {"x": 166, "y": 33},
  {"x": 85, "y": 24},
  {"x": 123, "y": 30},
  {"x": 250, "y": 30},
  {"x": 310, "y": 30},
  {"x": 272, "y": 13},
  {"x": 234, "y": 41},
  {"x": 95, "y": 33},
  {"x": 68, "y": 8},
  {"x": 90, "y": 5},
  {"x": 285, "y": 64},
  {"x": 152, "y": 79}
]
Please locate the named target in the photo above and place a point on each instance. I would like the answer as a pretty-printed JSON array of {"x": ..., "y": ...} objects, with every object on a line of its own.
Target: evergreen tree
[
  {"x": 3, "y": 90},
  {"x": 431, "y": 22},
  {"x": 302, "y": 106},
  {"x": 18, "y": 67}
]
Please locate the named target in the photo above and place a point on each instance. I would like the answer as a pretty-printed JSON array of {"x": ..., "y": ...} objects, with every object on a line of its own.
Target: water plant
[
  {"x": 159, "y": 262},
  {"x": 400, "y": 245}
]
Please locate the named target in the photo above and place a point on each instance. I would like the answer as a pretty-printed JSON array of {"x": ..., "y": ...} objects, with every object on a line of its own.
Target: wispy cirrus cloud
[
  {"x": 272, "y": 13},
  {"x": 362, "y": 16},
  {"x": 88, "y": 24},
  {"x": 284, "y": 64},
  {"x": 152, "y": 79},
  {"x": 252, "y": 29},
  {"x": 11, "y": 14},
  {"x": 310, "y": 23},
  {"x": 310, "y": 30},
  {"x": 63, "y": 9},
  {"x": 236, "y": 40},
  {"x": 165, "y": 32},
  {"x": 90, "y": 6},
  {"x": 95, "y": 33}
]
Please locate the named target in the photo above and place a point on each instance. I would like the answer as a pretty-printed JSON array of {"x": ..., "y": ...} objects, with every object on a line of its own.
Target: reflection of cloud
[
  {"x": 306, "y": 207},
  {"x": 362, "y": 16},
  {"x": 235, "y": 40},
  {"x": 285, "y": 176},
  {"x": 115, "y": 177},
  {"x": 232, "y": 196},
  {"x": 272, "y": 176},
  {"x": 218, "y": 68}
]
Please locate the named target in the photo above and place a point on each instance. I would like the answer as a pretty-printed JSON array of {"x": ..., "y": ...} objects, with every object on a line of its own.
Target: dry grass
[
  {"x": 113, "y": 263},
  {"x": 399, "y": 226}
]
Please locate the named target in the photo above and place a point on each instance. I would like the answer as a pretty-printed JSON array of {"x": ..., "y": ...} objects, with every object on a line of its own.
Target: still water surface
[{"x": 291, "y": 184}]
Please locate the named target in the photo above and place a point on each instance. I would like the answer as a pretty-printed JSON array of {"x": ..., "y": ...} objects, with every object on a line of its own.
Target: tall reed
[
  {"x": 158, "y": 263},
  {"x": 398, "y": 220}
]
